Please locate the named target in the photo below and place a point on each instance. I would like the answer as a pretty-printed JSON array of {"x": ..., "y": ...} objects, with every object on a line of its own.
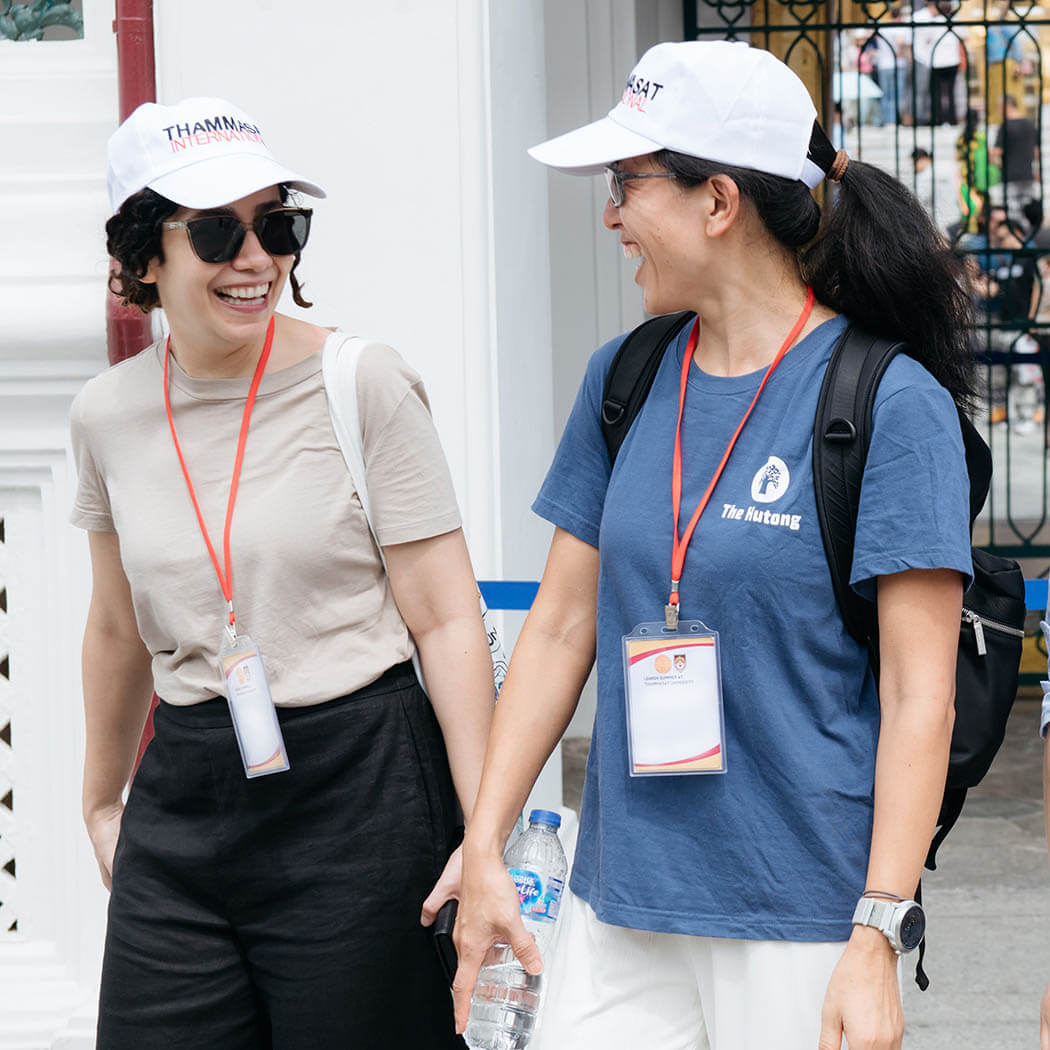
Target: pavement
[{"x": 988, "y": 956}]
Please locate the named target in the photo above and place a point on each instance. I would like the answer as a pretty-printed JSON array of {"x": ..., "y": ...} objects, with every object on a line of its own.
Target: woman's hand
[
  {"x": 863, "y": 1000},
  {"x": 489, "y": 912},
  {"x": 446, "y": 887},
  {"x": 103, "y": 828}
]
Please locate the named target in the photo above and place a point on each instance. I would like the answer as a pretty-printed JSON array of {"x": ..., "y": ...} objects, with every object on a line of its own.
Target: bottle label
[{"x": 538, "y": 901}]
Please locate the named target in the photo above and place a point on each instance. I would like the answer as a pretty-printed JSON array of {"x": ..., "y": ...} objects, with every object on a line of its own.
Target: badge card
[{"x": 672, "y": 681}]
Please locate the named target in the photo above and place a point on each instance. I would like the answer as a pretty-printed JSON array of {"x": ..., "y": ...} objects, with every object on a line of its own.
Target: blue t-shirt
[{"x": 777, "y": 848}]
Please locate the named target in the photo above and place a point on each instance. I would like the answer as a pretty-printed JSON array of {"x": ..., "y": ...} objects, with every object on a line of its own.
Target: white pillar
[
  {"x": 57, "y": 105},
  {"x": 591, "y": 46}
]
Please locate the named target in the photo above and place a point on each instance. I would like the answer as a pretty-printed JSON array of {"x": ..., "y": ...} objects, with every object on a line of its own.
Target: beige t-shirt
[{"x": 308, "y": 584}]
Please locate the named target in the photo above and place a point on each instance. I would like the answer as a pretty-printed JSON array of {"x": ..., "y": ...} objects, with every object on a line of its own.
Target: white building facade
[{"x": 439, "y": 236}]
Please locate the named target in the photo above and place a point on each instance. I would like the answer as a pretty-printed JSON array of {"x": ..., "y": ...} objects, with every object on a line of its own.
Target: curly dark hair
[{"x": 133, "y": 239}]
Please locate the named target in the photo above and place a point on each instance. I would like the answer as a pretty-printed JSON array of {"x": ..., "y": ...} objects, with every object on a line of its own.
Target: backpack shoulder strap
[
  {"x": 631, "y": 374},
  {"x": 841, "y": 435},
  {"x": 978, "y": 465}
]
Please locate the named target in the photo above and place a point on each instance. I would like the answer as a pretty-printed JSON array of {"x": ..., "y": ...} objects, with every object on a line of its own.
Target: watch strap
[{"x": 871, "y": 911}]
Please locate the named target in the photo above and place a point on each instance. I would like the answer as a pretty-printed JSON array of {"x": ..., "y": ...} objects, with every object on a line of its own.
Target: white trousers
[{"x": 611, "y": 988}]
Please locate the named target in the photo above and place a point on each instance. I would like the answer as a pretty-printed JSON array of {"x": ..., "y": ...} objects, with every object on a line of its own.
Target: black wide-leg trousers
[{"x": 282, "y": 912}]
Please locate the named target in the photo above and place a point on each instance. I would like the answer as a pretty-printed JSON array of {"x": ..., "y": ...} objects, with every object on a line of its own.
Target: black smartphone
[{"x": 443, "y": 926}]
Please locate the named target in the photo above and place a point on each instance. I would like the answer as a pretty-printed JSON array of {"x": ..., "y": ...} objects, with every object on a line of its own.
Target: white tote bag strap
[{"x": 339, "y": 368}]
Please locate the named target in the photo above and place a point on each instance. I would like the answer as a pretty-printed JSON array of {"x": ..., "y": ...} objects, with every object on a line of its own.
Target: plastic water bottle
[{"x": 506, "y": 999}]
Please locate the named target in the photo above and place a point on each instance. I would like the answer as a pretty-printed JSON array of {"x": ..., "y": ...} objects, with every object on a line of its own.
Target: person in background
[
  {"x": 1016, "y": 151},
  {"x": 729, "y": 911},
  {"x": 1012, "y": 290},
  {"x": 977, "y": 176},
  {"x": 272, "y": 868},
  {"x": 893, "y": 46},
  {"x": 1007, "y": 62},
  {"x": 939, "y": 54}
]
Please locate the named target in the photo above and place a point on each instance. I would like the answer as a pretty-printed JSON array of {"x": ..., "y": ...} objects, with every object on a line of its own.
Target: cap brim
[
  {"x": 216, "y": 181},
  {"x": 587, "y": 150}
]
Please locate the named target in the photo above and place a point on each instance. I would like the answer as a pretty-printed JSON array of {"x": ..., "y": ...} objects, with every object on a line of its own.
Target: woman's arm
[
  {"x": 118, "y": 687},
  {"x": 551, "y": 661},
  {"x": 436, "y": 593},
  {"x": 919, "y": 613},
  {"x": 433, "y": 584}
]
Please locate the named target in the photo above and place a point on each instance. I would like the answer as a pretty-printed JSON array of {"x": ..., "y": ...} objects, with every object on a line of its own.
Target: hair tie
[{"x": 838, "y": 166}]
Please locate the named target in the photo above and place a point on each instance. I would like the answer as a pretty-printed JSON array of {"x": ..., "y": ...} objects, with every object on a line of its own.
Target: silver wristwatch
[{"x": 902, "y": 922}]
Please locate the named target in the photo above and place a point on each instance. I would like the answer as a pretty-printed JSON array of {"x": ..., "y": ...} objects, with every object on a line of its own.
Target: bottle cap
[{"x": 545, "y": 816}]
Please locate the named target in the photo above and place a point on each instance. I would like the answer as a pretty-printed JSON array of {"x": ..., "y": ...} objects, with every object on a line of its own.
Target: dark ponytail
[
  {"x": 876, "y": 258},
  {"x": 881, "y": 262}
]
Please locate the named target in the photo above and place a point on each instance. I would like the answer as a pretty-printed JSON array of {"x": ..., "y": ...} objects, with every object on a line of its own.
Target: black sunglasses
[{"x": 218, "y": 238}]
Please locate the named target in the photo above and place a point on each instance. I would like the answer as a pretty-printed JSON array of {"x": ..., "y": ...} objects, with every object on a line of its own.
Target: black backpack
[{"x": 991, "y": 630}]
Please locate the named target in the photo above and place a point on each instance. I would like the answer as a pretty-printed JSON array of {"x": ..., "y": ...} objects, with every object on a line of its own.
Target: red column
[{"x": 128, "y": 328}]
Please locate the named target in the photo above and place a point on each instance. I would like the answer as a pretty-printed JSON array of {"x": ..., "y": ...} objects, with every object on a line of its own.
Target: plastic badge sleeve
[
  {"x": 673, "y": 692},
  {"x": 251, "y": 708}
]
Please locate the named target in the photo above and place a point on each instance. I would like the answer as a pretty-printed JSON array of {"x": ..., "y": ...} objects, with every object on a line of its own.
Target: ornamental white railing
[{"x": 8, "y": 863}]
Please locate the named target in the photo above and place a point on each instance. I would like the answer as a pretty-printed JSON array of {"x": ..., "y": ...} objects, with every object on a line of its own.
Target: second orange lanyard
[{"x": 680, "y": 545}]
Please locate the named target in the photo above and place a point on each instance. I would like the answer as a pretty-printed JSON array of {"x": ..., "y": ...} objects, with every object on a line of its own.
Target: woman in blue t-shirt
[{"x": 764, "y": 904}]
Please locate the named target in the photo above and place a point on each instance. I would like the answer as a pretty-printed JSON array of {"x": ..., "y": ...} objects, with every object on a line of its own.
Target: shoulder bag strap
[{"x": 339, "y": 369}]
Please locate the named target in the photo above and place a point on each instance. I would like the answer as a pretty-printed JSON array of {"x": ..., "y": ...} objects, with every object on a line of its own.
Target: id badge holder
[
  {"x": 251, "y": 707},
  {"x": 673, "y": 688}
]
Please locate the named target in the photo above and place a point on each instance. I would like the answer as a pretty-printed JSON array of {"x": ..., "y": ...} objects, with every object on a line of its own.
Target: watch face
[{"x": 912, "y": 928}]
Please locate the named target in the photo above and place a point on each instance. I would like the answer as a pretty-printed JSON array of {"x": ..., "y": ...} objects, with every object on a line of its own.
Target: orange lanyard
[
  {"x": 225, "y": 580},
  {"x": 679, "y": 546}
]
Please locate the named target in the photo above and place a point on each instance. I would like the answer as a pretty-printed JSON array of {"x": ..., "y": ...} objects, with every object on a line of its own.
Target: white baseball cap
[
  {"x": 199, "y": 153},
  {"x": 720, "y": 101}
]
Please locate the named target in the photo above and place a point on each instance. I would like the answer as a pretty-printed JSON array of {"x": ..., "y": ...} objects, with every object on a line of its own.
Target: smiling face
[
  {"x": 661, "y": 224},
  {"x": 227, "y": 303}
]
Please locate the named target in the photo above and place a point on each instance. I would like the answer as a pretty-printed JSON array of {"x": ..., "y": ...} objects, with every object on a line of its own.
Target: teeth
[
  {"x": 632, "y": 251},
  {"x": 257, "y": 291}
]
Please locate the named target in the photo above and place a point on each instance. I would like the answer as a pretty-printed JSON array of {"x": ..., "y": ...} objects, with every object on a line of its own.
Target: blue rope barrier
[
  {"x": 518, "y": 595},
  {"x": 1035, "y": 594},
  {"x": 508, "y": 595}
]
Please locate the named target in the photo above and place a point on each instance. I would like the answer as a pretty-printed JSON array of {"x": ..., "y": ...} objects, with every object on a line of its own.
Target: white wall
[{"x": 591, "y": 46}]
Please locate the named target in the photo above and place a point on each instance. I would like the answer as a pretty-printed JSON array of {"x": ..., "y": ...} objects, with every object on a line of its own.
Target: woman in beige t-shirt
[{"x": 257, "y": 906}]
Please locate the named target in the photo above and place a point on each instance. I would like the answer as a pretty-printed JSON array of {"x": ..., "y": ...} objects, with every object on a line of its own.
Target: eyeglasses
[
  {"x": 615, "y": 180},
  {"x": 218, "y": 238}
]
